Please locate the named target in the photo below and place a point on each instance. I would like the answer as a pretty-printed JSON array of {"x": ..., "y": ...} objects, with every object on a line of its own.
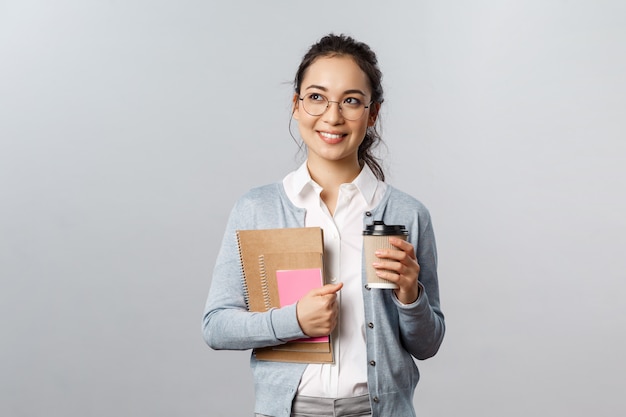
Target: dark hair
[{"x": 343, "y": 45}]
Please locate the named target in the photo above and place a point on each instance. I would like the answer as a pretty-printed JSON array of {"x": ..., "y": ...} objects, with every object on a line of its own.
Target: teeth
[{"x": 330, "y": 135}]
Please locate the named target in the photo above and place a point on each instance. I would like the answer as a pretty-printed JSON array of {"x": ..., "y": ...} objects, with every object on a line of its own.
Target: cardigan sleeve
[
  {"x": 422, "y": 325},
  {"x": 227, "y": 324}
]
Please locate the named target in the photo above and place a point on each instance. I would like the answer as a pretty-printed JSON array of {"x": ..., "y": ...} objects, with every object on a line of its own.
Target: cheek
[
  {"x": 304, "y": 119},
  {"x": 361, "y": 127}
]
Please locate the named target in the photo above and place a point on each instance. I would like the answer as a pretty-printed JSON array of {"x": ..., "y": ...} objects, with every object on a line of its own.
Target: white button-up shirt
[{"x": 343, "y": 242}]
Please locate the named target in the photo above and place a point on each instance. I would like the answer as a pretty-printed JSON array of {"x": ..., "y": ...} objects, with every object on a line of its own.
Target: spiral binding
[
  {"x": 265, "y": 286},
  {"x": 244, "y": 284}
]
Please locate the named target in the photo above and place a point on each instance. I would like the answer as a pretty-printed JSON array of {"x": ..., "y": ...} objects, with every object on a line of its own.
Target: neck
[{"x": 331, "y": 175}]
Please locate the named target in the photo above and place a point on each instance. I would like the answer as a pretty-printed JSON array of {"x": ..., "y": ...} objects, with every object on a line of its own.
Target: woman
[{"x": 340, "y": 188}]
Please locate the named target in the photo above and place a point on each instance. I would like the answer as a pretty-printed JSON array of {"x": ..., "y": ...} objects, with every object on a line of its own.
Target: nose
[{"x": 333, "y": 114}]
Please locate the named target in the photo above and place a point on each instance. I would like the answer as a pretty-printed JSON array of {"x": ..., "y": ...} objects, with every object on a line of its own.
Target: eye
[
  {"x": 352, "y": 102},
  {"x": 316, "y": 97}
]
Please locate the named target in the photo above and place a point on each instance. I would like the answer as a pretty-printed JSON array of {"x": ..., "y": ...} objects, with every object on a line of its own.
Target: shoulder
[
  {"x": 261, "y": 196},
  {"x": 252, "y": 207},
  {"x": 402, "y": 208},
  {"x": 399, "y": 207},
  {"x": 266, "y": 206},
  {"x": 402, "y": 201}
]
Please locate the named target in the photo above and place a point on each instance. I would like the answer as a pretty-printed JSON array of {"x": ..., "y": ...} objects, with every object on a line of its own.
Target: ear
[
  {"x": 295, "y": 109},
  {"x": 373, "y": 114}
]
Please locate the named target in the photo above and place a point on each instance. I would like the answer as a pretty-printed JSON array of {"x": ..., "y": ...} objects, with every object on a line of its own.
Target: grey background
[{"x": 129, "y": 128}]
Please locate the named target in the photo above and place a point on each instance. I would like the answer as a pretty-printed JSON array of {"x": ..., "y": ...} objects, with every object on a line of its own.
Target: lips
[{"x": 331, "y": 138}]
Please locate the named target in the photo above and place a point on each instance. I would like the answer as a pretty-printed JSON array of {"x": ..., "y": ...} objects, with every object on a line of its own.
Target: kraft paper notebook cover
[{"x": 289, "y": 250}]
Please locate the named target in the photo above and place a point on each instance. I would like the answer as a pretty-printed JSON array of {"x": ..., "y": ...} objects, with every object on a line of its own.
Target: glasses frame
[{"x": 338, "y": 105}]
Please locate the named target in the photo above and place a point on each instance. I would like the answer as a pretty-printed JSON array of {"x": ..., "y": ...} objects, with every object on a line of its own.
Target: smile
[{"x": 331, "y": 137}]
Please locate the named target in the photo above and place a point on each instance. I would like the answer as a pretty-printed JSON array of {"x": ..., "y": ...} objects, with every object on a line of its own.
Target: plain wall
[{"x": 129, "y": 128}]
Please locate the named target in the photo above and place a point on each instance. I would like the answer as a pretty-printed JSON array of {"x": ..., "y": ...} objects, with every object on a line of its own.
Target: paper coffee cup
[{"x": 376, "y": 236}]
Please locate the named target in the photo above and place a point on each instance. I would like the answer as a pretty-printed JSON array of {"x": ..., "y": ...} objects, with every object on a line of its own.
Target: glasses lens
[
  {"x": 352, "y": 111},
  {"x": 315, "y": 104}
]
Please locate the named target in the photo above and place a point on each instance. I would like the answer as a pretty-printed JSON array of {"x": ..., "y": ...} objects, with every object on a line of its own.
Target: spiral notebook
[{"x": 278, "y": 267}]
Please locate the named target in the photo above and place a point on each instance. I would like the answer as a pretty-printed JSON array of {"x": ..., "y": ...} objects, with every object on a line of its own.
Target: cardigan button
[
  {"x": 368, "y": 213},
  {"x": 373, "y": 363},
  {"x": 375, "y": 399},
  {"x": 367, "y": 287},
  {"x": 370, "y": 325}
]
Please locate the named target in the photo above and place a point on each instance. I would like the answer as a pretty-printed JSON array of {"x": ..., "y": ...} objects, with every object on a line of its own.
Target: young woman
[{"x": 340, "y": 188}]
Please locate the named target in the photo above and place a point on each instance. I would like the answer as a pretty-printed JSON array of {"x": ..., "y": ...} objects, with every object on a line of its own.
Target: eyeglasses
[{"x": 351, "y": 108}]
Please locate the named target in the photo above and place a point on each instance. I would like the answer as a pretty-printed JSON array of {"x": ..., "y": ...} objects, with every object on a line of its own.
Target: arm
[
  {"x": 422, "y": 324},
  {"x": 421, "y": 321},
  {"x": 226, "y": 323}
]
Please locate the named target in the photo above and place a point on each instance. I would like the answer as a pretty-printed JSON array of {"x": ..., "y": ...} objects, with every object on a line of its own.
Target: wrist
[{"x": 406, "y": 299}]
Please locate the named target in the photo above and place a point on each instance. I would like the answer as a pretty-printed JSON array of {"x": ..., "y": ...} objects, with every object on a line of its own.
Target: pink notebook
[{"x": 293, "y": 284}]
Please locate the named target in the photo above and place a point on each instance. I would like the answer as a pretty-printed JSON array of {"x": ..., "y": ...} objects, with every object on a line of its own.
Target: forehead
[{"x": 336, "y": 74}]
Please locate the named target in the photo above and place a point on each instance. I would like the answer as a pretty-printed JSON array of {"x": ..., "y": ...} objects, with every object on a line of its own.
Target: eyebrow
[{"x": 353, "y": 91}]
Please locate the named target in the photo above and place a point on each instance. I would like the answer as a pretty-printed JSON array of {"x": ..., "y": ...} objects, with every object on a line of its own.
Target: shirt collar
[
  {"x": 302, "y": 180},
  {"x": 366, "y": 182}
]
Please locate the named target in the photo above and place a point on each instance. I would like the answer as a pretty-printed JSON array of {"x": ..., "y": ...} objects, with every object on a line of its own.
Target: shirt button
[
  {"x": 367, "y": 287},
  {"x": 373, "y": 363}
]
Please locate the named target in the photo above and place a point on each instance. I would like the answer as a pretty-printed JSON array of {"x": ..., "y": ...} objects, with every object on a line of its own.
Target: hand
[
  {"x": 400, "y": 267},
  {"x": 318, "y": 310}
]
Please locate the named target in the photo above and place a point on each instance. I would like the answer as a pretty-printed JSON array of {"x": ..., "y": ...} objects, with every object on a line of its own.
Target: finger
[
  {"x": 391, "y": 254},
  {"x": 393, "y": 259},
  {"x": 388, "y": 275},
  {"x": 387, "y": 266},
  {"x": 396, "y": 253},
  {"x": 327, "y": 289},
  {"x": 403, "y": 245}
]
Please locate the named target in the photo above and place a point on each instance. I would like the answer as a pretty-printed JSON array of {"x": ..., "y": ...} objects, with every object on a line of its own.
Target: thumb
[{"x": 329, "y": 289}]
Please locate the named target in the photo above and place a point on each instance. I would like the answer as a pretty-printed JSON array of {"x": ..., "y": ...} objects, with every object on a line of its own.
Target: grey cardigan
[{"x": 395, "y": 335}]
